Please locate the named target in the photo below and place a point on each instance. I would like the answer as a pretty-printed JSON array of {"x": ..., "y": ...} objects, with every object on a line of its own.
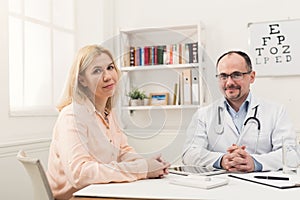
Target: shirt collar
[
  {"x": 244, "y": 106},
  {"x": 91, "y": 107}
]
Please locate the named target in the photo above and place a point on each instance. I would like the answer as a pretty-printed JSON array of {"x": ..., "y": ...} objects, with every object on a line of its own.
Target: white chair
[{"x": 34, "y": 168}]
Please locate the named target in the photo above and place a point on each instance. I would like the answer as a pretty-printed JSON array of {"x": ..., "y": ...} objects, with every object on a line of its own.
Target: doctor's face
[{"x": 234, "y": 78}]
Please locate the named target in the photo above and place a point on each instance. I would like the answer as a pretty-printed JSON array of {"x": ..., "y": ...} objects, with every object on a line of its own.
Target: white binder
[
  {"x": 195, "y": 86},
  {"x": 187, "y": 87}
]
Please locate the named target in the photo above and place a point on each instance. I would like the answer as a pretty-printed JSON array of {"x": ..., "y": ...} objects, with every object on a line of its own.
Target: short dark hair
[{"x": 243, "y": 54}]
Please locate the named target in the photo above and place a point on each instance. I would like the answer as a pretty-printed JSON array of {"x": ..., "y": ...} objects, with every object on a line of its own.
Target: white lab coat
[{"x": 203, "y": 146}]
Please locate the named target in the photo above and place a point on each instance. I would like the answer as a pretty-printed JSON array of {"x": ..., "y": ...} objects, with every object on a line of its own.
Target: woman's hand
[{"x": 157, "y": 167}]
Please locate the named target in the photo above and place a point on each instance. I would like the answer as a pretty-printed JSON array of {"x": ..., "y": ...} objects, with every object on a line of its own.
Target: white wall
[
  {"x": 98, "y": 21},
  {"x": 225, "y": 29},
  {"x": 33, "y": 134}
]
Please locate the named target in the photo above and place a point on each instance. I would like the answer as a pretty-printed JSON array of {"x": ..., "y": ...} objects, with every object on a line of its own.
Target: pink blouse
[{"x": 85, "y": 149}]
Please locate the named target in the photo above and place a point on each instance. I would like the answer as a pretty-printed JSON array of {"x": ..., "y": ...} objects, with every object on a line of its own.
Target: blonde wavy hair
[{"x": 73, "y": 90}]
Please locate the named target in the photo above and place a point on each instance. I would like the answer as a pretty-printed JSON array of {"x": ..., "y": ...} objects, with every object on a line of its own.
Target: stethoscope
[
  {"x": 254, "y": 118},
  {"x": 220, "y": 127}
]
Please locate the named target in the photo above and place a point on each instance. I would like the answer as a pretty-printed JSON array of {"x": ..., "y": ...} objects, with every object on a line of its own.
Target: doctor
[{"x": 238, "y": 132}]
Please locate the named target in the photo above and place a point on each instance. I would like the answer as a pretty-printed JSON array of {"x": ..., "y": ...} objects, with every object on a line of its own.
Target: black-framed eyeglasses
[{"x": 236, "y": 76}]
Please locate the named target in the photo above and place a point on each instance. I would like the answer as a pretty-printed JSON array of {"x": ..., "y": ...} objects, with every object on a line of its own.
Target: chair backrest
[{"x": 34, "y": 168}]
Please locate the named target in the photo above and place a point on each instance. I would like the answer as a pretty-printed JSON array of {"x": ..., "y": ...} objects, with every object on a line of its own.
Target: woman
[{"x": 87, "y": 145}]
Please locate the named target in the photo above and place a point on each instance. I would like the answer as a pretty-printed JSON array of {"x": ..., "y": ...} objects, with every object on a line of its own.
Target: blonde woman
[{"x": 87, "y": 145}]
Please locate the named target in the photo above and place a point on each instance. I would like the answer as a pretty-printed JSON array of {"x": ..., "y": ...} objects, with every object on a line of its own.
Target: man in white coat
[{"x": 238, "y": 132}]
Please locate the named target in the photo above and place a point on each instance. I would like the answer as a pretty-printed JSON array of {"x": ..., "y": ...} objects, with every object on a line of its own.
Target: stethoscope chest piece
[{"x": 219, "y": 129}]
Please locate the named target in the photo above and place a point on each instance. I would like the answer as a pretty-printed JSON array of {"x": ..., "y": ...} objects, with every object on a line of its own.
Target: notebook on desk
[{"x": 287, "y": 181}]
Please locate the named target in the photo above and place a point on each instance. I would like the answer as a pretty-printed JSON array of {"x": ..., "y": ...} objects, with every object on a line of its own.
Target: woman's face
[{"x": 100, "y": 77}]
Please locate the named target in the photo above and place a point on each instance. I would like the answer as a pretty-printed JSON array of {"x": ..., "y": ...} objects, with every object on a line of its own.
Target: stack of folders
[
  {"x": 187, "y": 93},
  {"x": 197, "y": 181}
]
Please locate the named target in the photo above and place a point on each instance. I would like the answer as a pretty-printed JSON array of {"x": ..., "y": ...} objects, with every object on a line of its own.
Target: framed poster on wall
[{"x": 274, "y": 47}]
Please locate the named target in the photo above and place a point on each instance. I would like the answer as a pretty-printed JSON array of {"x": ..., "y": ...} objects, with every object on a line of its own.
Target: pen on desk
[{"x": 272, "y": 178}]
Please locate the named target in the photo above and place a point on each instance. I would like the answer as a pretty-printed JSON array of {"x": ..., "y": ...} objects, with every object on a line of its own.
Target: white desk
[{"x": 162, "y": 189}]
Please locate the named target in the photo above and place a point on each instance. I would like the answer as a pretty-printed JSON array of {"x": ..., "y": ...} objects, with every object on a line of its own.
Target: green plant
[{"x": 135, "y": 93}]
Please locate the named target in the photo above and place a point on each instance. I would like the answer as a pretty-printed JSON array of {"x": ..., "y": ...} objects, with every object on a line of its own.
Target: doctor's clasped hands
[{"x": 237, "y": 159}]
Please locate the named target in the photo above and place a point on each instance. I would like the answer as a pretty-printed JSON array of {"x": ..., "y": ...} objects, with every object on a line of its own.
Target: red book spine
[
  {"x": 146, "y": 54},
  {"x": 155, "y": 55}
]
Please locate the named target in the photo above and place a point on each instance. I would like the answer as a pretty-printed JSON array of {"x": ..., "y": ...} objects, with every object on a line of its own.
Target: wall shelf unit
[{"x": 166, "y": 60}]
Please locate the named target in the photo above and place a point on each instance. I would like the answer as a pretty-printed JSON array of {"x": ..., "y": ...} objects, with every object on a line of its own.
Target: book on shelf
[
  {"x": 175, "y": 54},
  {"x": 137, "y": 56},
  {"x": 150, "y": 56},
  {"x": 146, "y": 55},
  {"x": 175, "y": 95},
  {"x": 160, "y": 54},
  {"x": 190, "y": 49},
  {"x": 165, "y": 54},
  {"x": 155, "y": 55},
  {"x": 186, "y": 53},
  {"x": 142, "y": 57},
  {"x": 132, "y": 56},
  {"x": 180, "y": 53},
  {"x": 170, "y": 48},
  {"x": 195, "y": 52}
]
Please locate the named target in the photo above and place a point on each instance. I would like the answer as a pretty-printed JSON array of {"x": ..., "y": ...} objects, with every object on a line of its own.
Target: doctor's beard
[{"x": 232, "y": 87}]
